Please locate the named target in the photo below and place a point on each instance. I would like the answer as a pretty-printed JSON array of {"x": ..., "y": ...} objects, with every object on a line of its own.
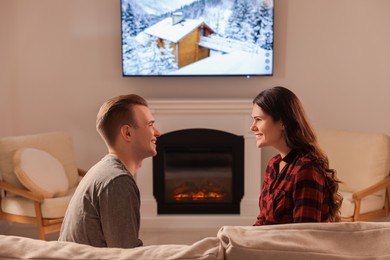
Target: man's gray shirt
[{"x": 105, "y": 209}]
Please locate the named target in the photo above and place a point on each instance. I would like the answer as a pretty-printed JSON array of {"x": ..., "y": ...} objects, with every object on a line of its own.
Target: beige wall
[{"x": 59, "y": 60}]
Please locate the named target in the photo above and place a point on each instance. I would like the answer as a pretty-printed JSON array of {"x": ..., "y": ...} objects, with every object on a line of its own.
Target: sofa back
[
  {"x": 300, "y": 241},
  {"x": 360, "y": 159}
]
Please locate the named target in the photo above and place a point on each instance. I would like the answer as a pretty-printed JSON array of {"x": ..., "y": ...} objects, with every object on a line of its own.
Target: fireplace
[
  {"x": 226, "y": 115},
  {"x": 199, "y": 171}
]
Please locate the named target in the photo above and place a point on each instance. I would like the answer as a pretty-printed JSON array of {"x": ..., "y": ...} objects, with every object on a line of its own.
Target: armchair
[
  {"x": 362, "y": 162},
  {"x": 22, "y": 205}
]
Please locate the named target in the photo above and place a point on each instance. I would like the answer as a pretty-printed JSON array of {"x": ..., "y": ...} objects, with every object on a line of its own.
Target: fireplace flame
[
  {"x": 190, "y": 191},
  {"x": 200, "y": 195}
]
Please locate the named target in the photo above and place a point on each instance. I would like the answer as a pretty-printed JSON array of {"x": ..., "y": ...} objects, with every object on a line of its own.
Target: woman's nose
[{"x": 253, "y": 127}]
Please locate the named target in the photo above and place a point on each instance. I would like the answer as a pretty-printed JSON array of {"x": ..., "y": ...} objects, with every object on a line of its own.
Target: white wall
[{"x": 59, "y": 60}]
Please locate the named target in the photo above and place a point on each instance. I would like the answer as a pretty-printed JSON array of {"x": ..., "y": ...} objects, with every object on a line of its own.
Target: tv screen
[{"x": 197, "y": 37}]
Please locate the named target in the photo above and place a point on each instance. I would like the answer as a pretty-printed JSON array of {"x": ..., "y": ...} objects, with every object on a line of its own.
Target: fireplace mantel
[
  {"x": 191, "y": 106},
  {"x": 231, "y": 116}
]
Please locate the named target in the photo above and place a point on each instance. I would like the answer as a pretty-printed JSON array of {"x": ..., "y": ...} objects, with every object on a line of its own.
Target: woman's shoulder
[{"x": 306, "y": 162}]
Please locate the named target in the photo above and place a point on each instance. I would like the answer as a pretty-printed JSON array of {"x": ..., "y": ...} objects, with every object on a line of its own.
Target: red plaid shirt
[{"x": 296, "y": 194}]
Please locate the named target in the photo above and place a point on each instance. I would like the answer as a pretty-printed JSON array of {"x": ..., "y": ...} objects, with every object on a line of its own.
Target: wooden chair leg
[
  {"x": 388, "y": 199},
  {"x": 38, "y": 213}
]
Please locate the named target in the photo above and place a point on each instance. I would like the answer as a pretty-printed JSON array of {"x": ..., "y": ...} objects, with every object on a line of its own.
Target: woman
[{"x": 298, "y": 184}]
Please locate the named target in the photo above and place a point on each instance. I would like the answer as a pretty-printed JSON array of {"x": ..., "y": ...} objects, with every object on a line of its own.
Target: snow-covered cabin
[{"x": 183, "y": 36}]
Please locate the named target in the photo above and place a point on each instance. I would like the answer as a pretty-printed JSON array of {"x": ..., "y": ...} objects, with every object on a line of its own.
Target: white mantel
[{"x": 231, "y": 116}]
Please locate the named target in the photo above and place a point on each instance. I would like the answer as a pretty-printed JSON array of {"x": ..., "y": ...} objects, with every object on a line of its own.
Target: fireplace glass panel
[{"x": 198, "y": 177}]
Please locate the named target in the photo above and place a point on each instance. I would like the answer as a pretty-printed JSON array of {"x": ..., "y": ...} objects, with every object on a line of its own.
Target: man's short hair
[{"x": 115, "y": 113}]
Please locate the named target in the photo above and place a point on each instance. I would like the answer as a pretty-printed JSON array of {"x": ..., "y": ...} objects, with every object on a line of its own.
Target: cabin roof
[{"x": 173, "y": 33}]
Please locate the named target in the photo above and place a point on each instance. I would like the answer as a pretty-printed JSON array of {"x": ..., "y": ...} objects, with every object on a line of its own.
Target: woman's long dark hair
[{"x": 282, "y": 104}]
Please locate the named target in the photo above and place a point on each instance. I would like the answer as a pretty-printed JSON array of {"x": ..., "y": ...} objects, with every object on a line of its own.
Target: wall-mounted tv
[{"x": 197, "y": 37}]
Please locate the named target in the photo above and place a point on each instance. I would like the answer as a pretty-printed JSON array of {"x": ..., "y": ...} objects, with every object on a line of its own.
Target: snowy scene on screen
[{"x": 197, "y": 37}]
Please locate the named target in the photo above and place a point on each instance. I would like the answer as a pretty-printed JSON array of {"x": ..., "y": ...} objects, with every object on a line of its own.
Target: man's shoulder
[
  {"x": 110, "y": 164},
  {"x": 106, "y": 171}
]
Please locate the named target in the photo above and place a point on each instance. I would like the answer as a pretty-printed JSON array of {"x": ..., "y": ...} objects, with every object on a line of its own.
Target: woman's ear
[{"x": 281, "y": 125}]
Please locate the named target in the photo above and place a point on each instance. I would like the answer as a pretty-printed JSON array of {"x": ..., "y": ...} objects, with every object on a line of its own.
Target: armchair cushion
[
  {"x": 40, "y": 172},
  {"x": 51, "y": 207},
  {"x": 368, "y": 204},
  {"x": 58, "y": 144}
]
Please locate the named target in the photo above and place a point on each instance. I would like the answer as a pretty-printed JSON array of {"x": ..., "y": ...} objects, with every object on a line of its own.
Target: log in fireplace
[{"x": 199, "y": 171}]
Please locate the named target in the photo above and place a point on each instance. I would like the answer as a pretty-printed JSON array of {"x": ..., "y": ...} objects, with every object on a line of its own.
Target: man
[{"x": 105, "y": 209}]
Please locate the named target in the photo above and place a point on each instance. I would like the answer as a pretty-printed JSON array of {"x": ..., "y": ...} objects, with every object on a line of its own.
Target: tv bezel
[{"x": 202, "y": 75}]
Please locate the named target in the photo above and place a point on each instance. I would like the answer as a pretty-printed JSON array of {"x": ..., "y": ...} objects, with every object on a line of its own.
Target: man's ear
[{"x": 126, "y": 132}]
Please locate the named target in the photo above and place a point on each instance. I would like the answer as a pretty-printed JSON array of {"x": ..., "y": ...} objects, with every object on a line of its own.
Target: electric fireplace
[
  {"x": 225, "y": 115},
  {"x": 199, "y": 171}
]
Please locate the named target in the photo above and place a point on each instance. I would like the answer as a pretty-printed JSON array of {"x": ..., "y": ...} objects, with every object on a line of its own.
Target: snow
[
  {"x": 161, "y": 6},
  {"x": 173, "y": 33},
  {"x": 227, "y": 45},
  {"x": 142, "y": 38},
  {"x": 236, "y": 63}
]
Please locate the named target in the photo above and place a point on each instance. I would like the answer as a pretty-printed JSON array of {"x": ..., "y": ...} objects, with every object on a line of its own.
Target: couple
[{"x": 298, "y": 184}]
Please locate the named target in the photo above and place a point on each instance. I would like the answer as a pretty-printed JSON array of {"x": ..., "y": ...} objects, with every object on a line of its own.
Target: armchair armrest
[
  {"x": 374, "y": 188},
  {"x": 358, "y": 196},
  {"x": 24, "y": 193}
]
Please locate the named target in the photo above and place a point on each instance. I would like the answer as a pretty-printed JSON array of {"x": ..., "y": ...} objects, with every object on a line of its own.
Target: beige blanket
[
  {"x": 308, "y": 241},
  {"x": 12, "y": 247}
]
